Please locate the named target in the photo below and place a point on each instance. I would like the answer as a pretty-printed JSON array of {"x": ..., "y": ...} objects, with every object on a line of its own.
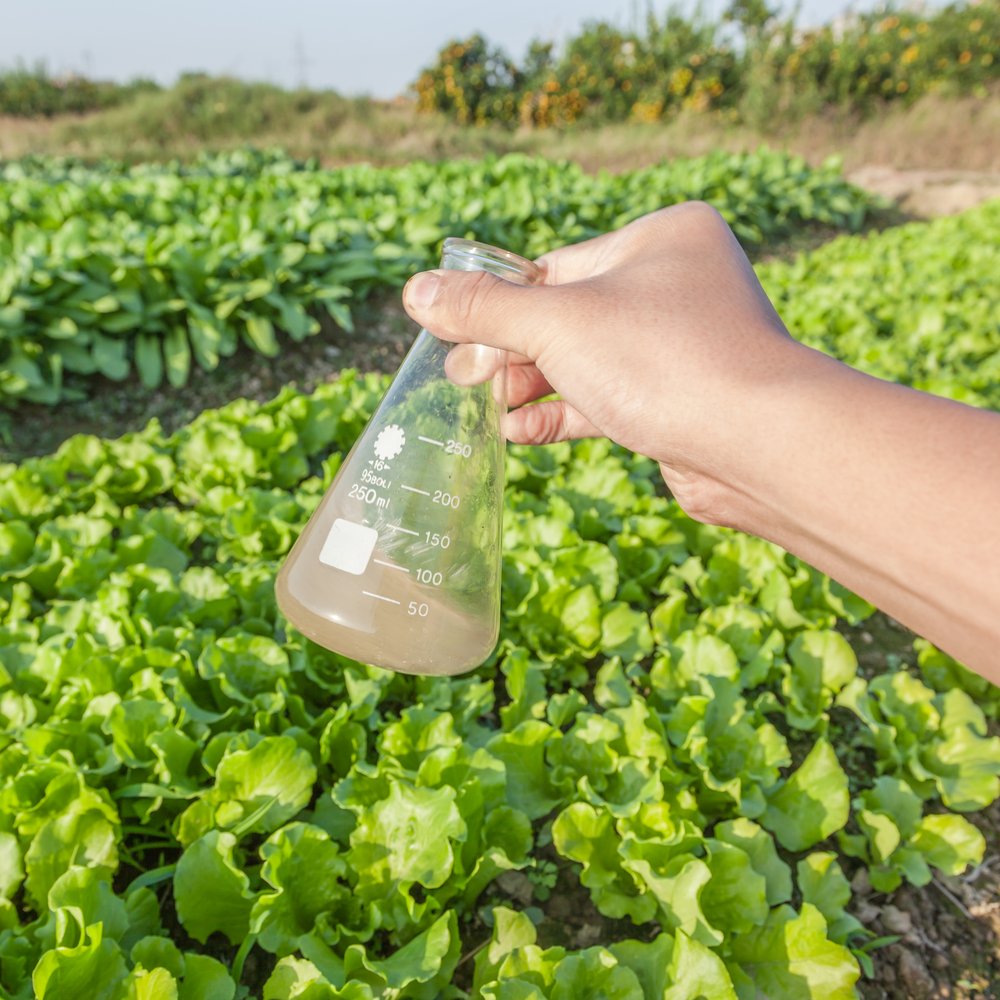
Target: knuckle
[
  {"x": 689, "y": 220},
  {"x": 699, "y": 209},
  {"x": 695, "y": 214},
  {"x": 698, "y": 215}
]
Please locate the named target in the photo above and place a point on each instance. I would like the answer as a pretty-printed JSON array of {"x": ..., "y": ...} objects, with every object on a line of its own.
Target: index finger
[{"x": 576, "y": 261}]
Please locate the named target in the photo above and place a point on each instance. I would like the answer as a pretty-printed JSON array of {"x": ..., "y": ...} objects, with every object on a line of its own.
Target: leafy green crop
[
  {"x": 919, "y": 304},
  {"x": 164, "y": 728},
  {"x": 153, "y": 269},
  {"x": 196, "y": 802}
]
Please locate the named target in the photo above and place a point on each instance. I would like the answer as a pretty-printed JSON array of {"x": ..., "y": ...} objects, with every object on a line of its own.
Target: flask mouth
[{"x": 468, "y": 255}]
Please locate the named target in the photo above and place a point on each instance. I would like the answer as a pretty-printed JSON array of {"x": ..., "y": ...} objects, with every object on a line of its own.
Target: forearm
[{"x": 892, "y": 492}]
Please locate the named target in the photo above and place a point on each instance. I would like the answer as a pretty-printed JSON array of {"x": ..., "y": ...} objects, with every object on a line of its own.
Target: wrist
[{"x": 751, "y": 436}]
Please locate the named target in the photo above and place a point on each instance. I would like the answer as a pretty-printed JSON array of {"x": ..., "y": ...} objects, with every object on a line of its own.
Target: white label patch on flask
[{"x": 349, "y": 546}]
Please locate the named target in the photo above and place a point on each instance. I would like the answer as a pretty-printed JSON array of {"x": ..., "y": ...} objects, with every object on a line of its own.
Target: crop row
[
  {"x": 105, "y": 271},
  {"x": 670, "y": 706},
  {"x": 918, "y": 304},
  {"x": 673, "y": 723}
]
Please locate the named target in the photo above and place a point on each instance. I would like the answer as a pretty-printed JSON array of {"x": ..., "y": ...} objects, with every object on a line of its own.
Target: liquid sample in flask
[{"x": 400, "y": 564}]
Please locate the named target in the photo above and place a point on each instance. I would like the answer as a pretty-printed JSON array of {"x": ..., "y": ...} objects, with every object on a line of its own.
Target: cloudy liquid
[
  {"x": 407, "y": 627},
  {"x": 399, "y": 565}
]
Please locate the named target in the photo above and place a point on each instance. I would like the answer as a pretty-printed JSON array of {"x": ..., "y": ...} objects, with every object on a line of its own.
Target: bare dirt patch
[{"x": 928, "y": 194}]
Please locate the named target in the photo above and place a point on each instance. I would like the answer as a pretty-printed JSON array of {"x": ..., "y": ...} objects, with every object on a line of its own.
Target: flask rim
[{"x": 498, "y": 260}]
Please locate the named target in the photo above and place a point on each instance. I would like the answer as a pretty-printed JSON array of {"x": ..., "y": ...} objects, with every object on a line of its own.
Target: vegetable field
[
  {"x": 107, "y": 270},
  {"x": 674, "y": 733}
]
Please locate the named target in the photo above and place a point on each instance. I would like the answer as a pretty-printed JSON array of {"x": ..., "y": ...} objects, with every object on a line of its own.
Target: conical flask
[{"x": 399, "y": 566}]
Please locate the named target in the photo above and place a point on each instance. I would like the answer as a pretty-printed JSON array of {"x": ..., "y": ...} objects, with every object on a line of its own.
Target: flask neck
[{"x": 468, "y": 255}]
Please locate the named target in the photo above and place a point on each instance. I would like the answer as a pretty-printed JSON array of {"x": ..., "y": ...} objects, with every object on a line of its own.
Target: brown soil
[
  {"x": 927, "y": 194},
  {"x": 949, "y": 930}
]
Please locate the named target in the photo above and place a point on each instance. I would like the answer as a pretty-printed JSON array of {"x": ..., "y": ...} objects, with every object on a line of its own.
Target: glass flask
[{"x": 399, "y": 566}]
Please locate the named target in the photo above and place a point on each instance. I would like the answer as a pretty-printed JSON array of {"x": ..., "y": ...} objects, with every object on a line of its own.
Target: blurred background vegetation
[
  {"x": 914, "y": 88},
  {"x": 750, "y": 63}
]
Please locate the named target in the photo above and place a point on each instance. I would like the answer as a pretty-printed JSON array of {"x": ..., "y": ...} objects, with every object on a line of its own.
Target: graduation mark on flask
[
  {"x": 389, "y": 565},
  {"x": 451, "y": 446},
  {"x": 442, "y": 497},
  {"x": 380, "y": 597}
]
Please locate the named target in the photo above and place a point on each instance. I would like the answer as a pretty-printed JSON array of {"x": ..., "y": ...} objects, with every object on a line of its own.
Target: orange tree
[
  {"x": 694, "y": 67},
  {"x": 604, "y": 74},
  {"x": 879, "y": 57},
  {"x": 472, "y": 82},
  {"x": 607, "y": 73}
]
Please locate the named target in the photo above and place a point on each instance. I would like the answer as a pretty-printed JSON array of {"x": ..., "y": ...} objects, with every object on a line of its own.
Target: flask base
[{"x": 394, "y": 640}]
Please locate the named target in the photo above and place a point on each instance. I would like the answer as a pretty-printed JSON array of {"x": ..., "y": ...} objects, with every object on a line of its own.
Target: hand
[{"x": 658, "y": 336}]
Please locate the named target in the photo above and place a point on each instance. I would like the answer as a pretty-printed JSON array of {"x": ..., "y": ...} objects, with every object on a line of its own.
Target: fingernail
[{"x": 422, "y": 289}]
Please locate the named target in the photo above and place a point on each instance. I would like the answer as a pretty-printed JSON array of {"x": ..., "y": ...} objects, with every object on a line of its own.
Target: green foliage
[
  {"x": 34, "y": 93},
  {"x": 606, "y": 73},
  {"x": 812, "y": 803},
  {"x": 672, "y": 968},
  {"x": 897, "y": 842},
  {"x": 917, "y": 304},
  {"x": 165, "y": 730},
  {"x": 182, "y": 776},
  {"x": 111, "y": 270}
]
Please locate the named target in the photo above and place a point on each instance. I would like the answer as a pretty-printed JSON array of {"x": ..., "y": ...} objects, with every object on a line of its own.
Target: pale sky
[{"x": 376, "y": 47}]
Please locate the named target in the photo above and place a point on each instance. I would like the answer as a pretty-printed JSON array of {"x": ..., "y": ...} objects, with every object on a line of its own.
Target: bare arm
[
  {"x": 893, "y": 492},
  {"x": 660, "y": 337}
]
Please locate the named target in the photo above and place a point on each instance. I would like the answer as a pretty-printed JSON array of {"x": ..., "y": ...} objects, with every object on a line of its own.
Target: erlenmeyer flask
[{"x": 399, "y": 566}]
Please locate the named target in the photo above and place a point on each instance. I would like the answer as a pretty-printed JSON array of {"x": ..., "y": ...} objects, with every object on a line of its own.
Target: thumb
[{"x": 475, "y": 307}]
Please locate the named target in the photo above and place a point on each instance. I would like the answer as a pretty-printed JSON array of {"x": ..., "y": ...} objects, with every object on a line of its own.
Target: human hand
[{"x": 658, "y": 336}]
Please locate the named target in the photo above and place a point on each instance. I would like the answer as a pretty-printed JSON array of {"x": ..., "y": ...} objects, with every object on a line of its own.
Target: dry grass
[
  {"x": 19, "y": 136},
  {"x": 936, "y": 133}
]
